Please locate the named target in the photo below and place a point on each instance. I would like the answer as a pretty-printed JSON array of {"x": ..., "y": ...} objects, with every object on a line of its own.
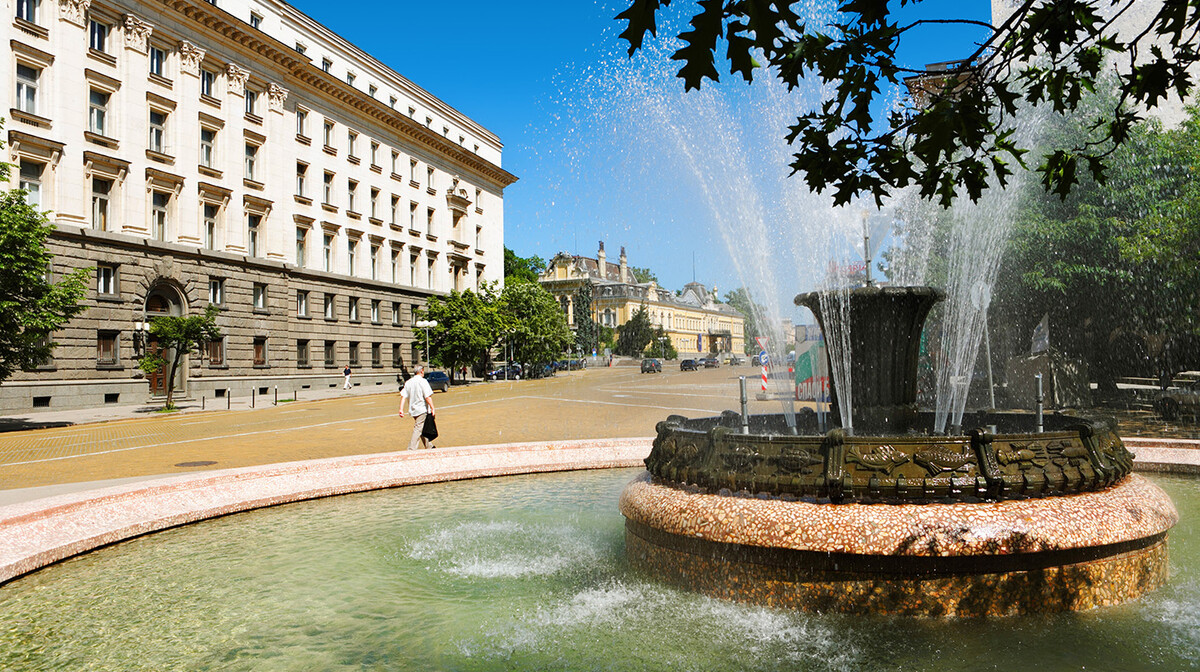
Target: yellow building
[{"x": 694, "y": 320}]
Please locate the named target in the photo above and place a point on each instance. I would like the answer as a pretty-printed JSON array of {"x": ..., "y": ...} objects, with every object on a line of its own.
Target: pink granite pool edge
[{"x": 37, "y": 533}]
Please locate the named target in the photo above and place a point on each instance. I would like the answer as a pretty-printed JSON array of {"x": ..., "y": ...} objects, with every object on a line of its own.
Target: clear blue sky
[{"x": 552, "y": 81}]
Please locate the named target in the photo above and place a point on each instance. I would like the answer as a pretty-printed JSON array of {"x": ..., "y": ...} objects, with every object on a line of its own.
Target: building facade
[
  {"x": 238, "y": 153},
  {"x": 694, "y": 320}
]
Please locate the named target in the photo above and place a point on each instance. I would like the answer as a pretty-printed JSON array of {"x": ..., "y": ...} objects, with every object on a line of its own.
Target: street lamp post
[
  {"x": 426, "y": 324},
  {"x": 662, "y": 344}
]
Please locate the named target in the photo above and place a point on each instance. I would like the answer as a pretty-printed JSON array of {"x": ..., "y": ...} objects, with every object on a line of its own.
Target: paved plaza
[{"x": 595, "y": 403}]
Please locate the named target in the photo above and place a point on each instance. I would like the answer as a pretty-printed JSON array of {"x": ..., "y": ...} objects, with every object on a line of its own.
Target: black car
[
  {"x": 688, "y": 365},
  {"x": 438, "y": 380},
  {"x": 710, "y": 362},
  {"x": 651, "y": 366},
  {"x": 510, "y": 372}
]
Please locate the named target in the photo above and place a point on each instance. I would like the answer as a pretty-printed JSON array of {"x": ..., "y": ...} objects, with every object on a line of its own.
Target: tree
[
  {"x": 179, "y": 336},
  {"x": 535, "y": 324},
  {"x": 587, "y": 331},
  {"x": 522, "y": 269},
  {"x": 469, "y": 323},
  {"x": 661, "y": 346},
  {"x": 743, "y": 301},
  {"x": 31, "y": 306},
  {"x": 959, "y": 130},
  {"x": 634, "y": 335},
  {"x": 643, "y": 275}
]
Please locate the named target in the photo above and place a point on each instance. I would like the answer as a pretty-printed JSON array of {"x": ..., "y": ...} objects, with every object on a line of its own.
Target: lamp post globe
[{"x": 426, "y": 325}]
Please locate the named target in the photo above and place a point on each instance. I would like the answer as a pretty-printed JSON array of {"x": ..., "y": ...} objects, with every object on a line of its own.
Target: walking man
[
  {"x": 420, "y": 404},
  {"x": 346, "y": 373}
]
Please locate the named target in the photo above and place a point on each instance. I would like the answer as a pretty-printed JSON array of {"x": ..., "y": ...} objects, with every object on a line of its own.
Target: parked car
[
  {"x": 734, "y": 360},
  {"x": 438, "y": 380},
  {"x": 710, "y": 362},
  {"x": 688, "y": 365},
  {"x": 1178, "y": 401},
  {"x": 510, "y": 372},
  {"x": 651, "y": 366}
]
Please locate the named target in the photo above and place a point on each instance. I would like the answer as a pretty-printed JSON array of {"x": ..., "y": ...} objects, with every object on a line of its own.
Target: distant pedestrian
[
  {"x": 419, "y": 396},
  {"x": 346, "y": 373}
]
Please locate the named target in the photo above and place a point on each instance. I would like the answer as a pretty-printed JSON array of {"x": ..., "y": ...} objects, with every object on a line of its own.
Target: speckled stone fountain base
[{"x": 955, "y": 559}]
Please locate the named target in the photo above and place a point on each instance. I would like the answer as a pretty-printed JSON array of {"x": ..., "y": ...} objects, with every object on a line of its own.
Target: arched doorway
[{"x": 162, "y": 300}]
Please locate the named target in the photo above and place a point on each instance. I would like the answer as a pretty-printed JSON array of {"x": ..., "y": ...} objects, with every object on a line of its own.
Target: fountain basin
[{"x": 935, "y": 559}]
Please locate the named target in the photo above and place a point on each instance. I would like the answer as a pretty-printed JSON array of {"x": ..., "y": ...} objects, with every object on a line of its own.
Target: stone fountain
[{"x": 892, "y": 518}]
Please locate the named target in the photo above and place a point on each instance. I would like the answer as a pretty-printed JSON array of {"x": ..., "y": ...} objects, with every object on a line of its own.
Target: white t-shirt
[{"x": 416, "y": 390}]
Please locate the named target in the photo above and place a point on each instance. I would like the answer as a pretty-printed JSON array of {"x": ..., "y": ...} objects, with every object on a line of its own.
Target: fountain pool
[{"x": 514, "y": 573}]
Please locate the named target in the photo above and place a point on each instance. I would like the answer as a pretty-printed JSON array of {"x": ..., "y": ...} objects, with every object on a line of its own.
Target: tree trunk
[{"x": 171, "y": 379}]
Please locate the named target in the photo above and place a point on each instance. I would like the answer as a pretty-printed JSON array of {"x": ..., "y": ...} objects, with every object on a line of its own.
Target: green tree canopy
[
  {"x": 635, "y": 335},
  {"x": 534, "y": 323},
  {"x": 177, "y": 337},
  {"x": 643, "y": 275},
  {"x": 522, "y": 269},
  {"x": 31, "y": 306},
  {"x": 959, "y": 131},
  {"x": 469, "y": 323}
]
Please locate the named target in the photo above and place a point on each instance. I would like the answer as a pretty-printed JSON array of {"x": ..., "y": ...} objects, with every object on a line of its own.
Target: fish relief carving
[
  {"x": 1069, "y": 453},
  {"x": 741, "y": 457},
  {"x": 938, "y": 458},
  {"x": 1022, "y": 454},
  {"x": 667, "y": 450},
  {"x": 794, "y": 459},
  {"x": 883, "y": 458}
]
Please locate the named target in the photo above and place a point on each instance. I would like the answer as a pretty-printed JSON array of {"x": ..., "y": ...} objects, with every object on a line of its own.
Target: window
[
  {"x": 375, "y": 303},
  {"x": 327, "y": 254},
  {"x": 329, "y": 306},
  {"x": 259, "y": 294},
  {"x": 260, "y": 351},
  {"x": 216, "y": 291},
  {"x": 395, "y": 209},
  {"x": 301, "y": 172},
  {"x": 351, "y": 143},
  {"x": 101, "y": 191},
  {"x": 327, "y": 192},
  {"x": 106, "y": 280},
  {"x": 252, "y": 224},
  {"x": 208, "y": 147},
  {"x": 395, "y": 160},
  {"x": 374, "y": 203},
  {"x": 351, "y": 253},
  {"x": 27, "y": 10},
  {"x": 412, "y": 270},
  {"x": 374, "y": 262},
  {"x": 251, "y": 102},
  {"x": 351, "y": 194},
  {"x": 210, "y": 225},
  {"x": 302, "y": 353},
  {"x": 395, "y": 260},
  {"x": 159, "y": 202},
  {"x": 158, "y": 61},
  {"x": 255, "y": 21},
  {"x": 374, "y": 153},
  {"x": 27, "y": 88},
  {"x": 216, "y": 352},
  {"x": 412, "y": 170},
  {"x": 353, "y": 353},
  {"x": 106, "y": 348},
  {"x": 302, "y": 122},
  {"x": 301, "y": 239},
  {"x": 372, "y": 90},
  {"x": 326, "y": 64},
  {"x": 412, "y": 215},
  {"x": 397, "y": 355},
  {"x": 330, "y": 353},
  {"x": 302, "y": 303},
  {"x": 350, "y": 78},
  {"x": 376, "y": 354},
  {"x": 328, "y": 134},
  {"x": 353, "y": 309},
  {"x": 300, "y": 48},
  {"x": 479, "y": 199},
  {"x": 208, "y": 80},
  {"x": 251, "y": 157},
  {"x": 429, "y": 177},
  {"x": 158, "y": 131},
  {"x": 392, "y": 102},
  {"x": 428, "y": 220},
  {"x": 98, "y": 35},
  {"x": 97, "y": 111},
  {"x": 395, "y": 312}
]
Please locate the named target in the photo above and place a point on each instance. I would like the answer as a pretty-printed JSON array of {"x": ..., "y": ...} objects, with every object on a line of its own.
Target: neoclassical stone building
[
  {"x": 694, "y": 320},
  {"x": 237, "y": 152}
]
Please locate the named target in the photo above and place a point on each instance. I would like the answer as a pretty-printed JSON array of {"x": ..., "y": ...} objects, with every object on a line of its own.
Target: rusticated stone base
[{"x": 998, "y": 559}]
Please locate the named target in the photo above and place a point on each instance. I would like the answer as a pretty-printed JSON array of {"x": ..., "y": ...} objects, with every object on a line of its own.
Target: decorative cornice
[
  {"x": 237, "y": 76},
  {"x": 137, "y": 33},
  {"x": 74, "y": 11},
  {"x": 276, "y": 94},
  {"x": 190, "y": 57}
]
